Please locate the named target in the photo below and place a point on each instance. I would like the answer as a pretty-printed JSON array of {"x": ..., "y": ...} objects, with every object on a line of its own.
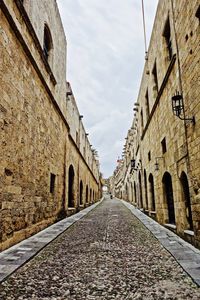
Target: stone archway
[
  {"x": 186, "y": 198},
  {"x": 168, "y": 193},
  {"x": 71, "y": 187}
]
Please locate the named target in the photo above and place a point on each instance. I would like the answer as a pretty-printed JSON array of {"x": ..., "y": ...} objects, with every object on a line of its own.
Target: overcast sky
[{"x": 105, "y": 60}]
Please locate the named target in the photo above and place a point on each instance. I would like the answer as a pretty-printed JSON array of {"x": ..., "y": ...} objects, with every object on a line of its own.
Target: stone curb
[
  {"x": 14, "y": 257},
  {"x": 187, "y": 256}
]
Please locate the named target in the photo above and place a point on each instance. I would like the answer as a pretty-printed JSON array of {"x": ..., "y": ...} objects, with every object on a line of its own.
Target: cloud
[{"x": 104, "y": 66}]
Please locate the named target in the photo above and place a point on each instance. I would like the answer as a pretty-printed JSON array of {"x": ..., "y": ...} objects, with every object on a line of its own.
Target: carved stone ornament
[{"x": 196, "y": 186}]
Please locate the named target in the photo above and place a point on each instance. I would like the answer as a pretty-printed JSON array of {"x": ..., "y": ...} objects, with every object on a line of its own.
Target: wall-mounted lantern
[{"x": 178, "y": 107}]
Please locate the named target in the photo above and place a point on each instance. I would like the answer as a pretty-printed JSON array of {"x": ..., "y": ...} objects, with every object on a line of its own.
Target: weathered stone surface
[
  {"x": 34, "y": 129},
  {"x": 108, "y": 254},
  {"x": 154, "y": 122}
]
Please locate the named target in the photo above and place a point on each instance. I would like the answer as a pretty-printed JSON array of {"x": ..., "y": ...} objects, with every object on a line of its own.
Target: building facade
[
  {"x": 160, "y": 168},
  {"x": 47, "y": 167}
]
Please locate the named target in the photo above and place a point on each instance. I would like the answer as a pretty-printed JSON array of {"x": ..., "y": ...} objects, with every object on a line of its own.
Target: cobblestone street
[{"x": 108, "y": 254}]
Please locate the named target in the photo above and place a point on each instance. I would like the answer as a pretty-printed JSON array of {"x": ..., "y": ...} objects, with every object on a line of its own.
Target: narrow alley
[{"x": 107, "y": 254}]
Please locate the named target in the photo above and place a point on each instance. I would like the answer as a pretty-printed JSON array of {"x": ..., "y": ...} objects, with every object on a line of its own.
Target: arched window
[{"x": 47, "y": 43}]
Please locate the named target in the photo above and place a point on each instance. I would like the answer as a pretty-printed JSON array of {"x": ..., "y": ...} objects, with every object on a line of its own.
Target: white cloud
[{"x": 104, "y": 65}]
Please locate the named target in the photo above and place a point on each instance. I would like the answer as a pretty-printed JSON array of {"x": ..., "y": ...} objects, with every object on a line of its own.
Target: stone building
[
  {"x": 47, "y": 166},
  {"x": 160, "y": 168}
]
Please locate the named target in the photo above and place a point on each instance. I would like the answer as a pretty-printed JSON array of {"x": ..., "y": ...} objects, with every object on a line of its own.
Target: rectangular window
[
  {"x": 149, "y": 155},
  {"x": 155, "y": 78},
  {"x": 164, "y": 146},
  {"x": 52, "y": 182},
  {"x": 142, "y": 121},
  {"x": 77, "y": 142},
  {"x": 198, "y": 13},
  {"x": 147, "y": 104},
  {"x": 168, "y": 40}
]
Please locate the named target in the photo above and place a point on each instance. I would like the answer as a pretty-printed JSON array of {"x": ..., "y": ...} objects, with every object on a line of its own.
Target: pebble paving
[{"x": 108, "y": 254}]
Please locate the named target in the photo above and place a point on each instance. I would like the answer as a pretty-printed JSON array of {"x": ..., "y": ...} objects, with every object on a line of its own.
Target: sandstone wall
[
  {"x": 36, "y": 146},
  {"x": 159, "y": 137},
  {"x": 46, "y": 12}
]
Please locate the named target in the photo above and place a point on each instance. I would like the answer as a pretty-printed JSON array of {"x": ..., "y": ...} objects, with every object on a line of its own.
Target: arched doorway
[
  {"x": 135, "y": 193},
  {"x": 132, "y": 193},
  {"x": 168, "y": 193},
  {"x": 186, "y": 197},
  {"x": 140, "y": 191},
  {"x": 126, "y": 192},
  {"x": 86, "y": 194},
  {"x": 81, "y": 193},
  {"x": 71, "y": 187},
  {"x": 152, "y": 193},
  {"x": 145, "y": 189}
]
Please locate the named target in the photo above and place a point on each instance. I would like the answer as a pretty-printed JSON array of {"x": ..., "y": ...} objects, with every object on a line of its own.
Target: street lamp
[{"x": 178, "y": 107}]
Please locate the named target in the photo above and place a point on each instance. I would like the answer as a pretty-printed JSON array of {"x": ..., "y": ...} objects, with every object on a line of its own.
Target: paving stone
[
  {"x": 108, "y": 254},
  {"x": 30, "y": 247},
  {"x": 180, "y": 249}
]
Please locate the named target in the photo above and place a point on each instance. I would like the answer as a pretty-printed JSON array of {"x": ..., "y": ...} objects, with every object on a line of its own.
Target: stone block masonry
[
  {"x": 34, "y": 131},
  {"x": 160, "y": 171}
]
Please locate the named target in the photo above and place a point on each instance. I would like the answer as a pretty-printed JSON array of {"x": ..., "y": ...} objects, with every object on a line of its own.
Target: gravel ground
[{"x": 108, "y": 254}]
